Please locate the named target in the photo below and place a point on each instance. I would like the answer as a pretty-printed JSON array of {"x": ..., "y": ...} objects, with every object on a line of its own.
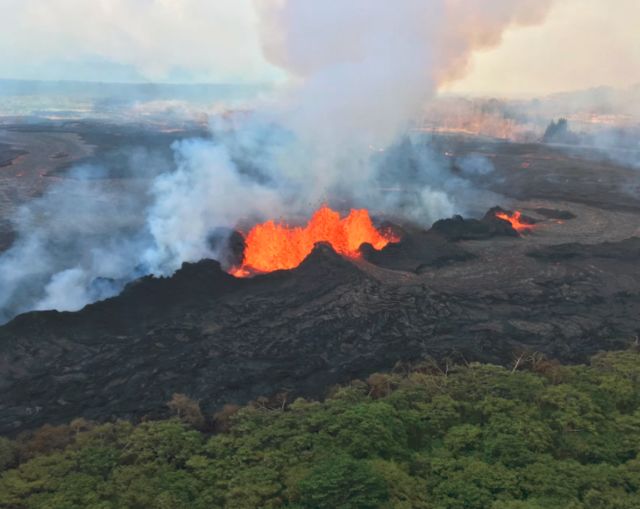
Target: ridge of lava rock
[
  {"x": 627, "y": 250},
  {"x": 416, "y": 252},
  {"x": 458, "y": 228},
  {"x": 221, "y": 339}
]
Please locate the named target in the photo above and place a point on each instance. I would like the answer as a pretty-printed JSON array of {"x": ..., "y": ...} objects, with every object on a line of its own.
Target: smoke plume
[
  {"x": 362, "y": 70},
  {"x": 337, "y": 132}
]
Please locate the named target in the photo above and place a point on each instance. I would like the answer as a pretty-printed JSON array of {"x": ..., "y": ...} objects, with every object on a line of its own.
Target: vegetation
[
  {"x": 473, "y": 437},
  {"x": 559, "y": 132}
]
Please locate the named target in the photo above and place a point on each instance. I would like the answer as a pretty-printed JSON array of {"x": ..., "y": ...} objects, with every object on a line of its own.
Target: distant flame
[
  {"x": 516, "y": 221},
  {"x": 273, "y": 246}
]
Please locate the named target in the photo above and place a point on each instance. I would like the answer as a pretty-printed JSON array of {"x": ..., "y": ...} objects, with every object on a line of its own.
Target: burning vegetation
[{"x": 274, "y": 246}]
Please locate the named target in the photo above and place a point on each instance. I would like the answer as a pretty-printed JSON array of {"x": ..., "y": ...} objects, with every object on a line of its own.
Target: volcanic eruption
[
  {"x": 274, "y": 246},
  {"x": 518, "y": 222}
]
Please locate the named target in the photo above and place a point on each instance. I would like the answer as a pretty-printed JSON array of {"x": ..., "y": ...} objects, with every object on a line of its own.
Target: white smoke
[
  {"x": 67, "y": 291},
  {"x": 205, "y": 192},
  {"x": 360, "y": 72},
  {"x": 78, "y": 243},
  {"x": 475, "y": 164}
]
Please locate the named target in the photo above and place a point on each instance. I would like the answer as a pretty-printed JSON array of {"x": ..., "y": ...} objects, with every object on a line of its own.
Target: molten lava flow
[
  {"x": 272, "y": 246},
  {"x": 516, "y": 221}
]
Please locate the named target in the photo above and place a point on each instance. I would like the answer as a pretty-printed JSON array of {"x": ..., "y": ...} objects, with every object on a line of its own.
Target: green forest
[{"x": 543, "y": 436}]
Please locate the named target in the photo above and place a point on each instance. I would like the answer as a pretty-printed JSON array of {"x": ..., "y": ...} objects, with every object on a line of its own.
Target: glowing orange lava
[
  {"x": 273, "y": 246},
  {"x": 516, "y": 221}
]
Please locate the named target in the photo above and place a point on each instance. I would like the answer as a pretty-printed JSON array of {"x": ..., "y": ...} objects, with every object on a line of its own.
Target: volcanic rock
[
  {"x": 563, "y": 215},
  {"x": 416, "y": 251},
  {"x": 458, "y": 228},
  {"x": 627, "y": 250},
  {"x": 220, "y": 339}
]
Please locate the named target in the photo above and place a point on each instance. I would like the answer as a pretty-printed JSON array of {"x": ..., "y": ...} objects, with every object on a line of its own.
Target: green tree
[
  {"x": 8, "y": 453},
  {"x": 342, "y": 483}
]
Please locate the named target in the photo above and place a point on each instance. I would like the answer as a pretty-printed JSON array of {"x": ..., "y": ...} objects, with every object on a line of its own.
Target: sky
[
  {"x": 183, "y": 41},
  {"x": 581, "y": 44}
]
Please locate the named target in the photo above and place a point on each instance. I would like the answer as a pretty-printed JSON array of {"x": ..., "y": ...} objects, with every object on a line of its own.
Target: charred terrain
[{"x": 464, "y": 290}]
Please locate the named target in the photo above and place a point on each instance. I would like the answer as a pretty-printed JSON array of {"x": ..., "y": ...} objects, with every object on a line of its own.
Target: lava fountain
[
  {"x": 274, "y": 246},
  {"x": 516, "y": 220}
]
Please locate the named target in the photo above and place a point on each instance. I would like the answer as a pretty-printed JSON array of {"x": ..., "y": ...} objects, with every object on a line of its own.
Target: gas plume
[
  {"x": 336, "y": 133},
  {"x": 361, "y": 72}
]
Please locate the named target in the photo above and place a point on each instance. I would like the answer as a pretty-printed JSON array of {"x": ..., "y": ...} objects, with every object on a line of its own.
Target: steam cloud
[{"x": 360, "y": 71}]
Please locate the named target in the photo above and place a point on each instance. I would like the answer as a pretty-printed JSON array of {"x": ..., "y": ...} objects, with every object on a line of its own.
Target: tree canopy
[{"x": 474, "y": 437}]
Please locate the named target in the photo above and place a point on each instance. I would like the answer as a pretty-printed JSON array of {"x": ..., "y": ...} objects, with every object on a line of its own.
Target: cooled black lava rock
[
  {"x": 563, "y": 215},
  {"x": 221, "y": 339},
  {"x": 458, "y": 228},
  {"x": 416, "y": 252},
  {"x": 230, "y": 244},
  {"x": 627, "y": 250}
]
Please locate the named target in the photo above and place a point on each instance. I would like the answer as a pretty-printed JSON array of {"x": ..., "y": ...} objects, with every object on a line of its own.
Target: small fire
[
  {"x": 274, "y": 246},
  {"x": 516, "y": 221}
]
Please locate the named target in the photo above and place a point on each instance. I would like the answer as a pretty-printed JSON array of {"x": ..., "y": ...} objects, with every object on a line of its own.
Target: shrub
[{"x": 187, "y": 410}]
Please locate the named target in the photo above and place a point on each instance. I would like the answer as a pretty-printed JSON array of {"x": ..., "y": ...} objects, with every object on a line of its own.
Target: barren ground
[{"x": 567, "y": 290}]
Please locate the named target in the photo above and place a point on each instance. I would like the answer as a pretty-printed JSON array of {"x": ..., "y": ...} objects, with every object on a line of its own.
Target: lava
[
  {"x": 274, "y": 246},
  {"x": 516, "y": 221}
]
